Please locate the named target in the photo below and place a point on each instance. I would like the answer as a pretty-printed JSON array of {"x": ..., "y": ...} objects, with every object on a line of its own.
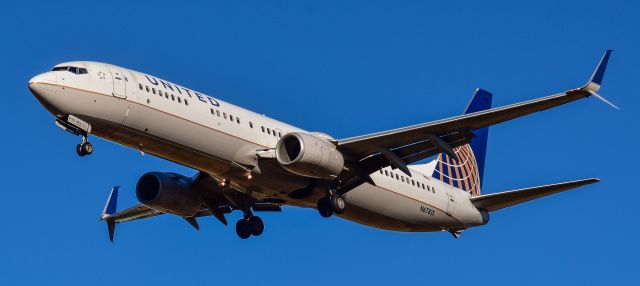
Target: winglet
[
  {"x": 595, "y": 82},
  {"x": 109, "y": 210},
  {"x": 598, "y": 74},
  {"x": 112, "y": 202}
]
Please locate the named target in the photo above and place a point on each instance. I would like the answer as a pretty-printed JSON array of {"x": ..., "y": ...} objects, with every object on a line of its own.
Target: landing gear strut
[{"x": 334, "y": 203}]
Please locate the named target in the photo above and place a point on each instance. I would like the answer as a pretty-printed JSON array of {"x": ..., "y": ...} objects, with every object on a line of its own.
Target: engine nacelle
[
  {"x": 168, "y": 192},
  {"x": 309, "y": 155}
]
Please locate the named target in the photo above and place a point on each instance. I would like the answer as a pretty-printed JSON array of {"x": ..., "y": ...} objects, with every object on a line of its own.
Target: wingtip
[
  {"x": 112, "y": 203},
  {"x": 598, "y": 73}
]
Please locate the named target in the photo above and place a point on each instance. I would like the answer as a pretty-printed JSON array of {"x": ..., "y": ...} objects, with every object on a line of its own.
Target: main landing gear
[
  {"x": 331, "y": 204},
  {"x": 247, "y": 227}
]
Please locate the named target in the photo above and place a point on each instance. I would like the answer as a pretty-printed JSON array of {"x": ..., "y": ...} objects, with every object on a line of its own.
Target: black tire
[
  {"x": 80, "y": 150},
  {"x": 324, "y": 207},
  {"x": 256, "y": 226},
  {"x": 242, "y": 229},
  {"x": 87, "y": 148},
  {"x": 338, "y": 204}
]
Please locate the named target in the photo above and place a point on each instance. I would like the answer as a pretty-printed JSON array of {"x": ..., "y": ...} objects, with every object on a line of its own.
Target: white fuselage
[{"x": 223, "y": 140}]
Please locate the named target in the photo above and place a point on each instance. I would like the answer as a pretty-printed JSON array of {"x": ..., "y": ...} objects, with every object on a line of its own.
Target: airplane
[{"x": 251, "y": 163}]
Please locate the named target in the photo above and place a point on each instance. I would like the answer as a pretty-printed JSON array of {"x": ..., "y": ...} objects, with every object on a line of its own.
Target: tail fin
[{"x": 466, "y": 172}]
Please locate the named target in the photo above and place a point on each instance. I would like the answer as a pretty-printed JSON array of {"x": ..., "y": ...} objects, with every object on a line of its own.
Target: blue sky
[{"x": 345, "y": 68}]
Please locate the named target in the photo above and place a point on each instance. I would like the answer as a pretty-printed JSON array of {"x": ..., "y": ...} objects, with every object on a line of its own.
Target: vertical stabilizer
[{"x": 467, "y": 171}]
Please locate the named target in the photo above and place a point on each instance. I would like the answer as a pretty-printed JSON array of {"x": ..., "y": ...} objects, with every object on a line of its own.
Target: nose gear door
[{"x": 119, "y": 82}]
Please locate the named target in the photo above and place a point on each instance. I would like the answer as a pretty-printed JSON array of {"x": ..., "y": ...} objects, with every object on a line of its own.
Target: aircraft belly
[{"x": 403, "y": 213}]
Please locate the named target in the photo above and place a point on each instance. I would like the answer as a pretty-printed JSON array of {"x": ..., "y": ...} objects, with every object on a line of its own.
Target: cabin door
[{"x": 119, "y": 82}]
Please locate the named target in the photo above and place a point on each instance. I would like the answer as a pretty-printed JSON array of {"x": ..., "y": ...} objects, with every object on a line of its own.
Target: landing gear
[
  {"x": 242, "y": 229},
  {"x": 324, "y": 207},
  {"x": 78, "y": 127},
  {"x": 256, "y": 226},
  {"x": 248, "y": 227},
  {"x": 334, "y": 203},
  {"x": 85, "y": 148}
]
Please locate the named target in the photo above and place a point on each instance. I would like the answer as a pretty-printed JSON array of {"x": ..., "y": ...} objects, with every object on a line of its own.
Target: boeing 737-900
[{"x": 252, "y": 163}]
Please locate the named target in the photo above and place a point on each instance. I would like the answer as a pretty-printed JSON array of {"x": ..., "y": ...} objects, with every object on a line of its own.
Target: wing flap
[{"x": 494, "y": 202}]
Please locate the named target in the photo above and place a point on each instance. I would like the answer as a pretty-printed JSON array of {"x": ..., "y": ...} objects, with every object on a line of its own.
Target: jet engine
[
  {"x": 309, "y": 155},
  {"x": 168, "y": 192}
]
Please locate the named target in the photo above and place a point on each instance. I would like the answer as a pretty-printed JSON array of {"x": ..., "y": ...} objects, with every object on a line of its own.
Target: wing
[{"x": 402, "y": 146}]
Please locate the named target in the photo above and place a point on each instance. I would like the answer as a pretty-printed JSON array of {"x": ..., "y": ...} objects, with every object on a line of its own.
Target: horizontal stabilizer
[{"x": 493, "y": 202}]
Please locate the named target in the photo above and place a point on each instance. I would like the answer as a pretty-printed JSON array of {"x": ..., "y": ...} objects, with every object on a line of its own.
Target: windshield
[{"x": 75, "y": 70}]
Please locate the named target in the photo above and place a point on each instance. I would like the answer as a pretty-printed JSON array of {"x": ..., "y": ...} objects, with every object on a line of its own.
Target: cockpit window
[{"x": 75, "y": 70}]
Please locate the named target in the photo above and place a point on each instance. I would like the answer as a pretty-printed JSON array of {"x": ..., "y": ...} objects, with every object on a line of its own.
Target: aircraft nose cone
[
  {"x": 42, "y": 78},
  {"x": 42, "y": 86}
]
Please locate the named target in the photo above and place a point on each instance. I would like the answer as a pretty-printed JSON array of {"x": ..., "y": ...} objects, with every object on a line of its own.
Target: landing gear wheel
[
  {"x": 324, "y": 207},
  {"x": 87, "y": 148},
  {"x": 255, "y": 225},
  {"x": 80, "y": 150},
  {"x": 338, "y": 204},
  {"x": 242, "y": 229}
]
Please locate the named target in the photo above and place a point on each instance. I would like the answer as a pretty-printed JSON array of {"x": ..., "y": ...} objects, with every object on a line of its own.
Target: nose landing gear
[
  {"x": 85, "y": 148},
  {"x": 78, "y": 127}
]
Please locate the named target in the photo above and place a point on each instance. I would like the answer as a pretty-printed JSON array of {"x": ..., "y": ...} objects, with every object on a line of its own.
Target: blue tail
[{"x": 467, "y": 172}]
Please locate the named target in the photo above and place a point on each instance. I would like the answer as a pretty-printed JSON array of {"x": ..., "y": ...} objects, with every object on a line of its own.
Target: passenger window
[
  {"x": 218, "y": 113},
  {"x": 173, "y": 97},
  {"x": 211, "y": 111},
  {"x": 397, "y": 177},
  {"x": 274, "y": 134},
  {"x": 268, "y": 131},
  {"x": 82, "y": 71},
  {"x": 186, "y": 102},
  {"x": 250, "y": 124},
  {"x": 166, "y": 95},
  {"x": 386, "y": 173},
  {"x": 279, "y": 134},
  {"x": 153, "y": 89},
  {"x": 179, "y": 100},
  {"x": 224, "y": 114},
  {"x": 238, "y": 120},
  {"x": 262, "y": 128},
  {"x": 140, "y": 85},
  {"x": 380, "y": 171},
  {"x": 413, "y": 182},
  {"x": 231, "y": 117},
  {"x": 147, "y": 87}
]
